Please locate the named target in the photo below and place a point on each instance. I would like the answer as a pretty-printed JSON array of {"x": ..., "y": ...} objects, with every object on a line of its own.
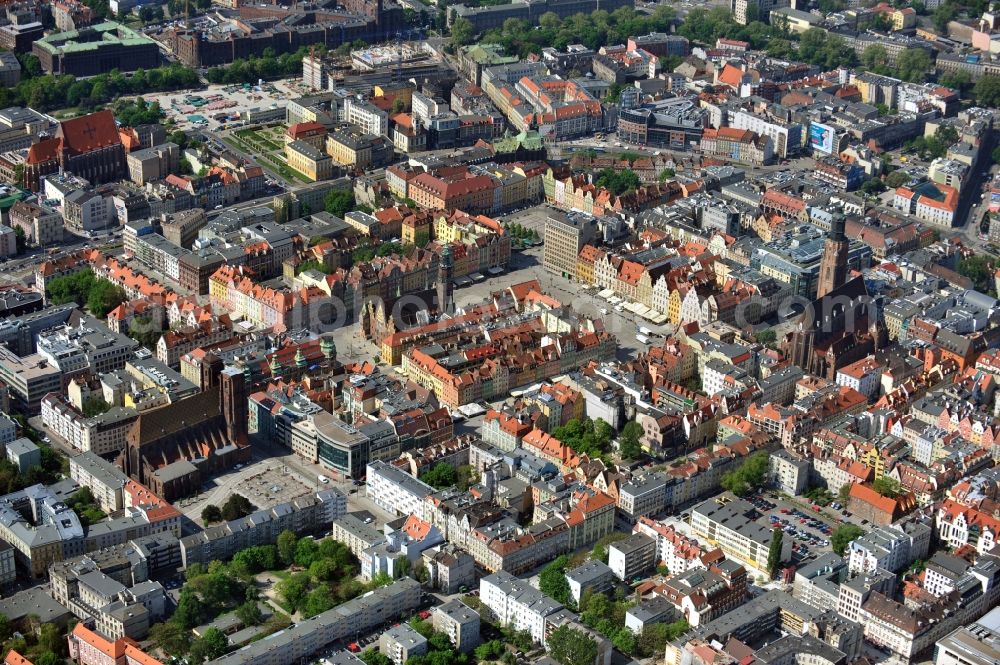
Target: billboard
[{"x": 821, "y": 138}]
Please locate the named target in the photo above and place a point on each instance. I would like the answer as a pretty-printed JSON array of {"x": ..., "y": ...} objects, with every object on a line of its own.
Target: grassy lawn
[
  {"x": 285, "y": 170},
  {"x": 258, "y": 137},
  {"x": 239, "y": 141}
]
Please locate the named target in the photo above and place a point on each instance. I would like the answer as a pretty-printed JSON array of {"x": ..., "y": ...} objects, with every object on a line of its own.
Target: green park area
[{"x": 268, "y": 145}]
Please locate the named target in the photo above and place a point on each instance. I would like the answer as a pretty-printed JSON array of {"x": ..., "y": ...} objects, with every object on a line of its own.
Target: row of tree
[
  {"x": 268, "y": 66},
  {"x": 594, "y": 30},
  {"x": 47, "y": 92}
]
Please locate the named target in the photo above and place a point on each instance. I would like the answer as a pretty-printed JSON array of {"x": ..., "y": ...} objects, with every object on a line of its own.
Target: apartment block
[
  {"x": 394, "y": 490},
  {"x": 516, "y": 603},
  {"x": 310, "y": 636},
  {"x": 400, "y": 643},
  {"x": 730, "y": 523},
  {"x": 105, "y": 480},
  {"x": 594, "y": 576},
  {"x": 459, "y": 622},
  {"x": 305, "y": 514},
  {"x": 891, "y": 548},
  {"x": 632, "y": 557}
]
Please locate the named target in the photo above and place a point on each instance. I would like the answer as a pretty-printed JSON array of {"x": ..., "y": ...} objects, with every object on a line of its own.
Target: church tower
[
  {"x": 445, "y": 289},
  {"x": 833, "y": 265},
  {"x": 233, "y": 404}
]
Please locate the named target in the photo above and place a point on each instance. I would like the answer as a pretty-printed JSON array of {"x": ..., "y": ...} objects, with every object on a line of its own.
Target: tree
[
  {"x": 618, "y": 182},
  {"x": 995, "y": 155},
  {"x": 749, "y": 476},
  {"x": 189, "y": 610},
  {"x": 170, "y": 637},
  {"x": 629, "y": 445},
  {"x": 441, "y": 476},
  {"x": 339, "y": 202},
  {"x": 654, "y": 637},
  {"x": 844, "y": 493},
  {"x": 48, "y": 658},
  {"x": 843, "y": 535},
  {"x": 987, "y": 91},
  {"x": 51, "y": 640},
  {"x": 211, "y": 514},
  {"x": 552, "y": 580},
  {"x": 942, "y": 16},
  {"x": 466, "y": 476},
  {"x": 213, "y": 644},
  {"x": 20, "y": 240},
  {"x": 774, "y": 551},
  {"x": 293, "y": 590},
  {"x": 484, "y": 652},
  {"x": 960, "y": 81},
  {"x": 887, "y": 487},
  {"x": 104, "y": 297},
  {"x": 979, "y": 269},
  {"x": 306, "y": 551},
  {"x": 462, "y": 32},
  {"x": 766, "y": 337},
  {"x": 402, "y": 567},
  {"x": 6, "y": 630},
  {"x": 875, "y": 59},
  {"x": 249, "y": 613},
  {"x": 398, "y": 105},
  {"x": 286, "y": 546},
  {"x": 373, "y": 657},
  {"x": 897, "y": 179},
  {"x": 235, "y": 507},
  {"x": 318, "y": 601},
  {"x": 570, "y": 646},
  {"x": 913, "y": 65}
]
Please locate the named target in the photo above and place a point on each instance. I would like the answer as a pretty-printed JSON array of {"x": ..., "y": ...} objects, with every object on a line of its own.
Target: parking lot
[{"x": 809, "y": 529}]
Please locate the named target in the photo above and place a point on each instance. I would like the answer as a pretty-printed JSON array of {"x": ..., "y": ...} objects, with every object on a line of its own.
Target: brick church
[
  {"x": 89, "y": 147},
  {"x": 171, "y": 450}
]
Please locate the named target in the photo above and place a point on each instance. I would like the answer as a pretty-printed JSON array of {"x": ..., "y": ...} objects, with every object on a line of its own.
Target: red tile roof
[
  {"x": 44, "y": 151},
  {"x": 89, "y": 132}
]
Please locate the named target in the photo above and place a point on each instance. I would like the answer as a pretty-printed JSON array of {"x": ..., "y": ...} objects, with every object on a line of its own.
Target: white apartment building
[
  {"x": 787, "y": 138},
  {"x": 891, "y": 548},
  {"x": 789, "y": 474},
  {"x": 642, "y": 496},
  {"x": 678, "y": 552},
  {"x": 370, "y": 118},
  {"x": 103, "y": 434},
  {"x": 105, "y": 480},
  {"x": 517, "y": 604},
  {"x": 354, "y": 533},
  {"x": 401, "y": 642},
  {"x": 396, "y": 491},
  {"x": 865, "y": 376}
]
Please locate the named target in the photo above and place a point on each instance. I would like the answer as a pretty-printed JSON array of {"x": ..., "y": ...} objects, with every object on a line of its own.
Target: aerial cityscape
[{"x": 499, "y": 332}]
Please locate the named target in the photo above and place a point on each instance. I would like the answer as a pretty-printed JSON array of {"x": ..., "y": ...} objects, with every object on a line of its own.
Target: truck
[
  {"x": 642, "y": 339},
  {"x": 643, "y": 330}
]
